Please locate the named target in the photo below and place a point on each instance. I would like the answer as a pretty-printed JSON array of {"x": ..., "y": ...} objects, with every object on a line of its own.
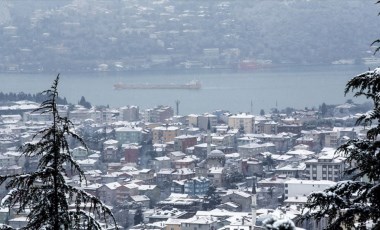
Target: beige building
[
  {"x": 163, "y": 134},
  {"x": 242, "y": 121}
]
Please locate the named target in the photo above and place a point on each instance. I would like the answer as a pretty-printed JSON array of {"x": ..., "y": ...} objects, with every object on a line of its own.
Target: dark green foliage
[
  {"x": 84, "y": 103},
  {"x": 211, "y": 199},
  {"x": 39, "y": 97},
  {"x": 269, "y": 162},
  {"x": 53, "y": 203},
  {"x": 138, "y": 218},
  {"x": 356, "y": 201},
  {"x": 232, "y": 178},
  {"x": 323, "y": 109}
]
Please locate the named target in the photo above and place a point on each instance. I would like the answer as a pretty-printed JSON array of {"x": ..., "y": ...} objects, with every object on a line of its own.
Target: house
[
  {"x": 141, "y": 199},
  {"x": 187, "y": 162},
  {"x": 131, "y": 152},
  {"x": 107, "y": 192},
  {"x": 88, "y": 164},
  {"x": 254, "y": 149},
  {"x": 182, "y": 142},
  {"x": 200, "y": 223},
  {"x": 239, "y": 198},
  {"x": 295, "y": 169},
  {"x": 132, "y": 189},
  {"x": 183, "y": 174},
  {"x": 110, "y": 153},
  {"x": 129, "y": 135},
  {"x": 151, "y": 191},
  {"x": 160, "y": 215},
  {"x": 242, "y": 121},
  {"x": 158, "y": 114},
  {"x": 176, "y": 155},
  {"x": 161, "y": 163},
  {"x": 196, "y": 186},
  {"x": 251, "y": 166},
  {"x": 178, "y": 186},
  {"x": 163, "y": 134},
  {"x": 216, "y": 175},
  {"x": 79, "y": 153},
  {"x": 129, "y": 113}
]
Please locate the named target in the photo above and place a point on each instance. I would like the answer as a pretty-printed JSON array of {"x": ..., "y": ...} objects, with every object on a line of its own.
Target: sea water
[{"x": 276, "y": 87}]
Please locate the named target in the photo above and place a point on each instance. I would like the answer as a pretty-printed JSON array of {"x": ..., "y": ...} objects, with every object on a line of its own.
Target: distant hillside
[{"x": 83, "y": 35}]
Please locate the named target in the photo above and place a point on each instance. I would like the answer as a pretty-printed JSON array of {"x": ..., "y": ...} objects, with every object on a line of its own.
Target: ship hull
[{"x": 191, "y": 85}]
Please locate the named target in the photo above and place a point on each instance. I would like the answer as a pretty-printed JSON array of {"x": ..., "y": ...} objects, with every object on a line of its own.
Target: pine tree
[
  {"x": 53, "y": 203},
  {"x": 211, "y": 199},
  {"x": 356, "y": 202},
  {"x": 139, "y": 217}
]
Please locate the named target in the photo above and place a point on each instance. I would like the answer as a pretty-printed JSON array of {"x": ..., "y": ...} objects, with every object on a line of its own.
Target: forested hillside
[{"x": 87, "y": 35}]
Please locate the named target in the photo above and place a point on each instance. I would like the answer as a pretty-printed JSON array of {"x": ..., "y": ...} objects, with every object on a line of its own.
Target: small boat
[{"x": 189, "y": 85}]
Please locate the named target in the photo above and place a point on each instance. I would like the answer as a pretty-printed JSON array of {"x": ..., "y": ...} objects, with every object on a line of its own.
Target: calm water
[{"x": 285, "y": 86}]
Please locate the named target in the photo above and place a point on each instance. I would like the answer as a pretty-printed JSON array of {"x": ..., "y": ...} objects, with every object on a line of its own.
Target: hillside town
[
  {"x": 129, "y": 35},
  {"x": 157, "y": 169}
]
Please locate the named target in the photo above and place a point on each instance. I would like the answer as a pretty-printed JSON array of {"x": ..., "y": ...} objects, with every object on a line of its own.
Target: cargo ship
[{"x": 189, "y": 85}]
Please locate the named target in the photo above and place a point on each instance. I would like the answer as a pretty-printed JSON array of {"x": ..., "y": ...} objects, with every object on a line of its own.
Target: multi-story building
[
  {"x": 200, "y": 223},
  {"x": 192, "y": 120},
  {"x": 131, "y": 153},
  {"x": 127, "y": 135},
  {"x": 129, "y": 113},
  {"x": 196, "y": 186},
  {"x": 329, "y": 166},
  {"x": 242, "y": 121},
  {"x": 294, "y": 187},
  {"x": 203, "y": 121},
  {"x": 182, "y": 142},
  {"x": 158, "y": 114},
  {"x": 163, "y": 134},
  {"x": 80, "y": 153},
  {"x": 254, "y": 149}
]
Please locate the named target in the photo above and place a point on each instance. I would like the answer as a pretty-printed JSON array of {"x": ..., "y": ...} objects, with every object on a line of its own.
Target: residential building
[
  {"x": 130, "y": 113},
  {"x": 328, "y": 166},
  {"x": 242, "y": 121},
  {"x": 131, "y": 153},
  {"x": 254, "y": 149},
  {"x": 241, "y": 199},
  {"x": 203, "y": 121},
  {"x": 196, "y": 186},
  {"x": 295, "y": 187},
  {"x": 158, "y": 114},
  {"x": 200, "y": 223},
  {"x": 182, "y": 142},
  {"x": 163, "y": 134},
  {"x": 128, "y": 135}
]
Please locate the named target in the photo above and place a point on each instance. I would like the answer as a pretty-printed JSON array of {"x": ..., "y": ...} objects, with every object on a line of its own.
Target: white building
[
  {"x": 294, "y": 187},
  {"x": 328, "y": 166}
]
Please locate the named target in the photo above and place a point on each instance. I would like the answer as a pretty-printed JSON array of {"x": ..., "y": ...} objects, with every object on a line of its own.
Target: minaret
[{"x": 253, "y": 203}]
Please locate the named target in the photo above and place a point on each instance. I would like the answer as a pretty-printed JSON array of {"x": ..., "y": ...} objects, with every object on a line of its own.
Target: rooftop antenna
[{"x": 177, "y": 106}]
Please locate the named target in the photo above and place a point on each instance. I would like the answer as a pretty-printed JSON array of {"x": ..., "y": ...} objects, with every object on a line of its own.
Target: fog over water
[{"x": 298, "y": 87}]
